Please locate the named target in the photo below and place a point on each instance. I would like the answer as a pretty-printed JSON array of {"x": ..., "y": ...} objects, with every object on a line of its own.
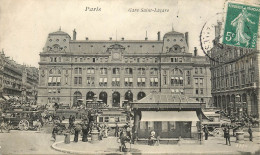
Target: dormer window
[
  {"x": 181, "y": 40},
  {"x": 57, "y": 40},
  {"x": 64, "y": 40},
  {"x": 50, "y": 40}
]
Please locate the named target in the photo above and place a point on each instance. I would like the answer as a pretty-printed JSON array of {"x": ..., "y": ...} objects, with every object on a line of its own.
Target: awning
[
  {"x": 54, "y": 79},
  {"x": 139, "y": 80},
  {"x": 130, "y": 79},
  {"x": 126, "y": 79},
  {"x": 143, "y": 79},
  {"x": 105, "y": 79},
  {"x": 58, "y": 79},
  {"x": 6, "y": 97},
  {"x": 169, "y": 116},
  {"x": 101, "y": 80},
  {"x": 118, "y": 79},
  {"x": 113, "y": 79},
  {"x": 172, "y": 78},
  {"x": 50, "y": 79},
  {"x": 172, "y": 90},
  {"x": 152, "y": 79},
  {"x": 155, "y": 79},
  {"x": 176, "y": 78},
  {"x": 181, "y": 78}
]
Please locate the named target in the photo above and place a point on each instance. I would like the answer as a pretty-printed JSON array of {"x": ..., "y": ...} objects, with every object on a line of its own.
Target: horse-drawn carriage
[
  {"x": 214, "y": 123},
  {"x": 23, "y": 120}
]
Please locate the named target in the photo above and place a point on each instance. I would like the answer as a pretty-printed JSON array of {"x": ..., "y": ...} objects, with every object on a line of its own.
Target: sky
[{"x": 25, "y": 24}]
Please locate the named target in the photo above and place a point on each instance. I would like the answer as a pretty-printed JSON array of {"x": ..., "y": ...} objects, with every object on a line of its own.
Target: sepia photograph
[{"x": 129, "y": 77}]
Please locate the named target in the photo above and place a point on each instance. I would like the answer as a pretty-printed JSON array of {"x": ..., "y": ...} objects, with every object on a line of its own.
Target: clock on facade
[{"x": 116, "y": 55}]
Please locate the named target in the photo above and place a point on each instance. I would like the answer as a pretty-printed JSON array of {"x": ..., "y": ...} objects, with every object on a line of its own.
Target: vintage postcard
[{"x": 129, "y": 77}]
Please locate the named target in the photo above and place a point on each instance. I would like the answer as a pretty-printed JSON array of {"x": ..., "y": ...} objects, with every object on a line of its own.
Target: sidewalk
[{"x": 215, "y": 145}]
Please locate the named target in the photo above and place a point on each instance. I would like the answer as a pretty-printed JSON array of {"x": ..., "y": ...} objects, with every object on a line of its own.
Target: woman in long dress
[{"x": 239, "y": 22}]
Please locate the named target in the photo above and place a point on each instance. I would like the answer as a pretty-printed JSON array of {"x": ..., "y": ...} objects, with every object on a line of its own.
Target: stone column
[{"x": 248, "y": 102}]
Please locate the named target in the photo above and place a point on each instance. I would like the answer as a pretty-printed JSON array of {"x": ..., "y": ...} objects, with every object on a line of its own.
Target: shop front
[
  {"x": 168, "y": 124},
  {"x": 169, "y": 115}
]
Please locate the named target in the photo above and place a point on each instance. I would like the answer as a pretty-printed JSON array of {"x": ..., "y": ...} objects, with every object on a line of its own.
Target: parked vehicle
[
  {"x": 214, "y": 123},
  {"x": 22, "y": 120}
]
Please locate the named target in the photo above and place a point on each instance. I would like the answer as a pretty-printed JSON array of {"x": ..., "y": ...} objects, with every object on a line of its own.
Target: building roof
[
  {"x": 173, "y": 33},
  {"x": 59, "y": 33},
  {"x": 166, "y": 98}
]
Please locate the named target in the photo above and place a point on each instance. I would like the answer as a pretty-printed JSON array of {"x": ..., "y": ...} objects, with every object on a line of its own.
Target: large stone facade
[
  {"x": 16, "y": 80},
  {"x": 235, "y": 74},
  {"x": 116, "y": 70}
]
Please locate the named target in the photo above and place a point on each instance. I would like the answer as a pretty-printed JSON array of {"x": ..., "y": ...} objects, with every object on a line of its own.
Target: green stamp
[{"x": 241, "y": 25}]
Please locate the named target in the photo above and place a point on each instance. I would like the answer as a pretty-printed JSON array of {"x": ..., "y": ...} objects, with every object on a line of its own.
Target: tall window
[
  {"x": 91, "y": 81},
  {"x": 201, "y": 81},
  {"x": 116, "y": 82},
  {"x": 128, "y": 71},
  {"x": 141, "y": 71},
  {"x": 103, "y": 71},
  {"x": 90, "y": 70},
  {"x": 116, "y": 71},
  {"x": 154, "y": 81},
  {"x": 78, "y": 71},
  {"x": 176, "y": 77},
  {"x": 141, "y": 82},
  {"x": 102, "y": 81},
  {"x": 129, "y": 82},
  {"x": 54, "y": 78},
  {"x": 153, "y": 71},
  {"x": 77, "y": 80},
  {"x": 196, "y": 70}
]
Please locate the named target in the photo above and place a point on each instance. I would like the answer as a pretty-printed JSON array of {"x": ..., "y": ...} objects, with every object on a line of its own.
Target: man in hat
[
  {"x": 55, "y": 131},
  {"x": 227, "y": 135},
  {"x": 250, "y": 131},
  {"x": 206, "y": 131}
]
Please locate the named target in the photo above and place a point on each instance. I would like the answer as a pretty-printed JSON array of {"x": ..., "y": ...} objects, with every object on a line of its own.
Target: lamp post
[
  {"x": 94, "y": 132},
  {"x": 239, "y": 133}
]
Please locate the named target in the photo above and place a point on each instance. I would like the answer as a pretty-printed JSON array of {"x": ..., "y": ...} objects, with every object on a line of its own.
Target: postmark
[{"x": 241, "y": 26}]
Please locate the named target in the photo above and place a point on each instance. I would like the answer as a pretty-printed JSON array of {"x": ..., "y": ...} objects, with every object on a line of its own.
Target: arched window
[
  {"x": 90, "y": 95},
  {"x": 140, "y": 95},
  {"x": 103, "y": 97},
  {"x": 116, "y": 99},
  {"x": 129, "y": 96},
  {"x": 76, "y": 97}
]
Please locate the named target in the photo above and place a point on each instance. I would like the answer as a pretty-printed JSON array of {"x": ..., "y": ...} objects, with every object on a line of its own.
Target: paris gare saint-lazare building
[{"x": 74, "y": 70}]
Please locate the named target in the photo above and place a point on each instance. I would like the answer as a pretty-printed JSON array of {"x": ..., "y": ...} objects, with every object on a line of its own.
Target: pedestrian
[
  {"x": 54, "y": 132},
  {"x": 116, "y": 130},
  {"x": 250, "y": 131},
  {"x": 2, "y": 126},
  {"x": 85, "y": 133},
  {"x": 206, "y": 131},
  {"x": 227, "y": 135},
  {"x": 105, "y": 130},
  {"x": 76, "y": 134}
]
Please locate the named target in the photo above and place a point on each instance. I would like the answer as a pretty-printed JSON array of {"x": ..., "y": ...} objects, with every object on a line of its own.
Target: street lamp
[
  {"x": 240, "y": 133},
  {"x": 94, "y": 133}
]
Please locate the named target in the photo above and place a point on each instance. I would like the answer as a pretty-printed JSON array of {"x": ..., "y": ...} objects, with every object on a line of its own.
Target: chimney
[
  {"x": 187, "y": 38},
  {"x": 145, "y": 38},
  {"x": 218, "y": 30},
  {"x": 86, "y": 38},
  {"x": 110, "y": 38},
  {"x": 123, "y": 39},
  {"x": 159, "y": 35},
  {"x": 195, "y": 51},
  {"x": 74, "y": 34}
]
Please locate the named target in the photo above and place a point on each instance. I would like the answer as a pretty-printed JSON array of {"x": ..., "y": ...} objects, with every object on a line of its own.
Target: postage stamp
[{"x": 241, "y": 25}]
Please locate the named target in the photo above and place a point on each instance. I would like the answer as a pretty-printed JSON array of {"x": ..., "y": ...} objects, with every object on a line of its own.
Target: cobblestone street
[{"x": 31, "y": 142}]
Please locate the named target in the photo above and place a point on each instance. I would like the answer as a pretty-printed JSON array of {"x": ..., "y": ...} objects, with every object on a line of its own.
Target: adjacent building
[
  {"x": 235, "y": 77},
  {"x": 72, "y": 70},
  {"x": 17, "y": 81}
]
